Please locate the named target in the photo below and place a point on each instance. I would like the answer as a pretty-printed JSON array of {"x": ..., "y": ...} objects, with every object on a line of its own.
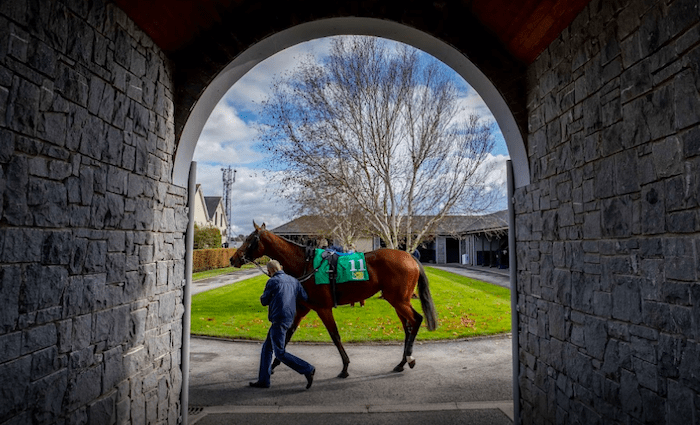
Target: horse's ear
[
  {"x": 262, "y": 227},
  {"x": 255, "y": 225}
]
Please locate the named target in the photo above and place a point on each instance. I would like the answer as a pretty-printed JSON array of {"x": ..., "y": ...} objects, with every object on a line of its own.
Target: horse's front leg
[
  {"x": 302, "y": 311},
  {"x": 326, "y": 316}
]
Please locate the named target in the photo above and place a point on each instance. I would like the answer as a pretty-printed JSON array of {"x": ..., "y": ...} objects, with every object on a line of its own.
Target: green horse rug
[{"x": 349, "y": 267}]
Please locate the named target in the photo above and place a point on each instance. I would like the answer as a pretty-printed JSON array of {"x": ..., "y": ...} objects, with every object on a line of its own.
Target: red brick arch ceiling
[{"x": 203, "y": 37}]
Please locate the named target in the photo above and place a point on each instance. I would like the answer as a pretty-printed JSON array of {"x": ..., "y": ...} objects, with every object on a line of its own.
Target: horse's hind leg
[
  {"x": 302, "y": 311},
  {"x": 326, "y": 316},
  {"x": 411, "y": 321}
]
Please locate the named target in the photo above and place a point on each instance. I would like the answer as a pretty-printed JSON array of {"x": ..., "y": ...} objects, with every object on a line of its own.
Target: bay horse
[{"x": 391, "y": 271}]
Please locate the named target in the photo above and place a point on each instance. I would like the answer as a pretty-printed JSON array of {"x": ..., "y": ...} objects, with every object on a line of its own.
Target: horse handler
[{"x": 281, "y": 294}]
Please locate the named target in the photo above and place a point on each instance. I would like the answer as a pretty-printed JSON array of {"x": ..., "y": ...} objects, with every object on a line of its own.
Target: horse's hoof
[
  {"x": 398, "y": 369},
  {"x": 343, "y": 375},
  {"x": 411, "y": 362}
]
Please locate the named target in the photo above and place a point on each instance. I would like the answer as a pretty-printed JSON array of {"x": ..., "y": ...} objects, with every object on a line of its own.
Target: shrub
[
  {"x": 207, "y": 259},
  {"x": 206, "y": 237}
]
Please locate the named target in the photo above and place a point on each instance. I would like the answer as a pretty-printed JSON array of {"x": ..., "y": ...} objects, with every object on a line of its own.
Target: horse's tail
[{"x": 426, "y": 299}]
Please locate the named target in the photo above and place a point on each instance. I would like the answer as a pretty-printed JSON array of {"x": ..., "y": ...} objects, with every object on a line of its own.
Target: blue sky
[{"x": 229, "y": 139}]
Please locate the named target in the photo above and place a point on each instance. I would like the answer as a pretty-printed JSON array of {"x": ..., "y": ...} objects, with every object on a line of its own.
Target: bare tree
[
  {"x": 383, "y": 129},
  {"x": 339, "y": 217}
]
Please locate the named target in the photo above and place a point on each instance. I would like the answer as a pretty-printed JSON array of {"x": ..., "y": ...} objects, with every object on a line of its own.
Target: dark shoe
[
  {"x": 259, "y": 384},
  {"x": 310, "y": 378}
]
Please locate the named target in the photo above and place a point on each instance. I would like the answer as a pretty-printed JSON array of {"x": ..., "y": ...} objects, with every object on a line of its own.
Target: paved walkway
[
  {"x": 500, "y": 277},
  {"x": 456, "y": 382}
]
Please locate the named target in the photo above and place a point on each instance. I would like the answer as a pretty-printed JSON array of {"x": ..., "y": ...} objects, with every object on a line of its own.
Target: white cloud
[
  {"x": 254, "y": 86},
  {"x": 252, "y": 197},
  {"x": 229, "y": 136}
]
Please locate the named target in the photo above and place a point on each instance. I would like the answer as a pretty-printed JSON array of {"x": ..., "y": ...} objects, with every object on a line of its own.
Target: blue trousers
[{"x": 274, "y": 343}]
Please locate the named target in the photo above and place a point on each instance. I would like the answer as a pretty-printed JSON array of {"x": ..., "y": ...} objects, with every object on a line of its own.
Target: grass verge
[{"x": 466, "y": 308}]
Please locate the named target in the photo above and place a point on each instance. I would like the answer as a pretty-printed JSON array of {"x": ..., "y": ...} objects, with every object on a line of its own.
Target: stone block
[
  {"x": 112, "y": 154},
  {"x": 10, "y": 284},
  {"x": 635, "y": 128},
  {"x": 680, "y": 402},
  {"x": 689, "y": 367},
  {"x": 659, "y": 113},
  {"x": 106, "y": 108},
  {"x": 96, "y": 90},
  {"x": 669, "y": 352},
  {"x": 596, "y": 337},
  {"x": 653, "y": 209},
  {"x": 72, "y": 85},
  {"x": 95, "y": 257},
  {"x": 78, "y": 253},
  {"x": 135, "y": 360},
  {"x": 115, "y": 267},
  {"x": 16, "y": 188},
  {"x": 112, "y": 325},
  {"x": 602, "y": 304},
  {"x": 39, "y": 337},
  {"x": 137, "y": 328},
  {"x": 23, "y": 106},
  {"x": 113, "y": 369},
  {"x": 84, "y": 294},
  {"x": 84, "y": 387},
  {"x": 92, "y": 140},
  {"x": 691, "y": 142},
  {"x": 686, "y": 101},
  {"x": 626, "y": 178},
  {"x": 629, "y": 394},
  {"x": 10, "y": 345},
  {"x": 56, "y": 248},
  {"x": 43, "y": 287},
  {"x": 103, "y": 410},
  {"x": 46, "y": 396},
  {"x": 141, "y": 118},
  {"x": 82, "y": 331},
  {"x": 15, "y": 379},
  {"x": 683, "y": 222},
  {"x": 616, "y": 217},
  {"x": 45, "y": 362},
  {"x": 65, "y": 335},
  {"x": 626, "y": 299}
]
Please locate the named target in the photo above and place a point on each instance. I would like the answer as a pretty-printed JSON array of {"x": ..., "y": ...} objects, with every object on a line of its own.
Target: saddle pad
[{"x": 350, "y": 268}]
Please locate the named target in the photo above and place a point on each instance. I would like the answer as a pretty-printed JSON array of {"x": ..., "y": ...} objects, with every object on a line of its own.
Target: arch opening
[{"x": 350, "y": 26}]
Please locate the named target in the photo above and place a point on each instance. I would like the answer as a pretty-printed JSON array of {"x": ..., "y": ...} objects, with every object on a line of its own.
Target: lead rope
[
  {"x": 256, "y": 263},
  {"x": 301, "y": 279}
]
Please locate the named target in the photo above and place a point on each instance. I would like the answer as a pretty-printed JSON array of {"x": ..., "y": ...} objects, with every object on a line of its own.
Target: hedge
[{"x": 207, "y": 259}]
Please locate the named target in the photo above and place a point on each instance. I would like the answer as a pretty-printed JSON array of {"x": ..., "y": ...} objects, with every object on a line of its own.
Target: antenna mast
[{"x": 229, "y": 177}]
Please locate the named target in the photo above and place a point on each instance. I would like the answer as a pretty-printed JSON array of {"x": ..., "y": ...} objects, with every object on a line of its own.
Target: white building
[{"x": 209, "y": 212}]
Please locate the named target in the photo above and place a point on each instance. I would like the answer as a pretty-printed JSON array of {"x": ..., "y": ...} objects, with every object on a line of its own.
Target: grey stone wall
[
  {"x": 91, "y": 231},
  {"x": 608, "y": 232}
]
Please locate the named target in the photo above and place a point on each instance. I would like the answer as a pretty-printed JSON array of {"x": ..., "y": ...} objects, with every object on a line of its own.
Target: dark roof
[
  {"x": 454, "y": 224},
  {"x": 212, "y": 202},
  {"x": 304, "y": 225}
]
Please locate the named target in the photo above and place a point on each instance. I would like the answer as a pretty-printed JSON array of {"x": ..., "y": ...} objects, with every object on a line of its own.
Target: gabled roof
[
  {"x": 304, "y": 225},
  {"x": 212, "y": 202},
  {"x": 454, "y": 224}
]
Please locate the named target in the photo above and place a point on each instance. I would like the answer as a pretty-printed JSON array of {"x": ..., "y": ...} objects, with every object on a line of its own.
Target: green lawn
[{"x": 466, "y": 308}]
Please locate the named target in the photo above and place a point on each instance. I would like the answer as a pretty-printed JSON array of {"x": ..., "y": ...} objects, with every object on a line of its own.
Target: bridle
[
  {"x": 308, "y": 257},
  {"x": 252, "y": 244}
]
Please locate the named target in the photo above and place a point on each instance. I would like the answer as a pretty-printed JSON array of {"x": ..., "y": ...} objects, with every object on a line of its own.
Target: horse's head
[{"x": 250, "y": 249}]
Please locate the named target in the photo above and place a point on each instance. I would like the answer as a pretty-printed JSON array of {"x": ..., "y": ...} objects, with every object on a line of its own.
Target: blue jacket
[{"x": 281, "y": 294}]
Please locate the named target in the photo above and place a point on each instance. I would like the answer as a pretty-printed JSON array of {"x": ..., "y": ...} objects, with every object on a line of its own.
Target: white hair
[{"x": 274, "y": 266}]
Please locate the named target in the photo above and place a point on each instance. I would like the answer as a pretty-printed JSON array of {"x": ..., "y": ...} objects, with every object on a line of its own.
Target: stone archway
[{"x": 350, "y": 26}]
